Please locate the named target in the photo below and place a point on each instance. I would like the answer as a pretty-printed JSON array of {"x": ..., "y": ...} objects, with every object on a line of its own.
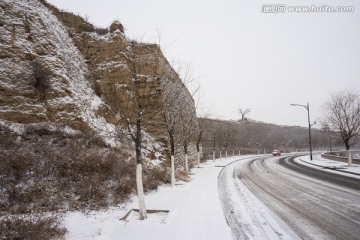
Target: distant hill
[{"x": 252, "y": 136}]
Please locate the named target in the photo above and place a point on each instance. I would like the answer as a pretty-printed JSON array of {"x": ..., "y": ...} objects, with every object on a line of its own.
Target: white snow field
[{"x": 195, "y": 212}]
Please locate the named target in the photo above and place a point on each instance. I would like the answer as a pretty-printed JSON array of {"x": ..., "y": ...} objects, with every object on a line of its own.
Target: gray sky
[{"x": 242, "y": 57}]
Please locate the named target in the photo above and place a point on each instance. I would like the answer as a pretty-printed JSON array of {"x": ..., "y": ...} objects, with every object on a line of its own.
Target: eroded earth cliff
[
  {"x": 56, "y": 67},
  {"x": 62, "y": 84}
]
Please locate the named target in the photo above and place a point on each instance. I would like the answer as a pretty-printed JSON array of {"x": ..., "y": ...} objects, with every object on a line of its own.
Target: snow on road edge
[{"x": 332, "y": 166}]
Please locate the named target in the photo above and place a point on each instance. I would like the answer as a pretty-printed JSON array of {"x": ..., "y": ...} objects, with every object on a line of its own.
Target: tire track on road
[{"x": 311, "y": 203}]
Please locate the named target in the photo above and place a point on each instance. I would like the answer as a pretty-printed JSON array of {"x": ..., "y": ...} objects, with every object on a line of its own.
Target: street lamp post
[{"x": 307, "y": 108}]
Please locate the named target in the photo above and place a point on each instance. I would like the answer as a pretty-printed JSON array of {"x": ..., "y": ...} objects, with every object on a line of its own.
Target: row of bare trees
[
  {"x": 168, "y": 106},
  {"x": 180, "y": 118},
  {"x": 221, "y": 136}
]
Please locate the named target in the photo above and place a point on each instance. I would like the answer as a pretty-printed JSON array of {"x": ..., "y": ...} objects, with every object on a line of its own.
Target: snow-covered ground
[{"x": 195, "y": 210}]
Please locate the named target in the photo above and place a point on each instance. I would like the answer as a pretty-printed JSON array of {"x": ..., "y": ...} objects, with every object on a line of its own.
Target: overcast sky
[{"x": 242, "y": 57}]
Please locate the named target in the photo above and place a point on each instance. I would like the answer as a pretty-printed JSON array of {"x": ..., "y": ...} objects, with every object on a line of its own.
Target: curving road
[{"x": 278, "y": 198}]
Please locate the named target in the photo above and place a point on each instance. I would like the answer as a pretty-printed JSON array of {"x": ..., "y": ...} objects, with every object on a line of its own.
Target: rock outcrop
[
  {"x": 43, "y": 74},
  {"x": 56, "y": 67}
]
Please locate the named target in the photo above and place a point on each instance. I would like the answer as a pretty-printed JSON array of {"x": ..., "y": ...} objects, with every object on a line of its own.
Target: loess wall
[{"x": 57, "y": 67}]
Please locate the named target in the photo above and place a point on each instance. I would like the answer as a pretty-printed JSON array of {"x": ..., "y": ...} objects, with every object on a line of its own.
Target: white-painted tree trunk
[
  {"x": 198, "y": 159},
  {"x": 186, "y": 163},
  {"x": 349, "y": 157},
  {"x": 214, "y": 155},
  {"x": 220, "y": 154},
  {"x": 233, "y": 153},
  {"x": 226, "y": 154},
  {"x": 239, "y": 153},
  {"x": 140, "y": 192},
  {"x": 172, "y": 171}
]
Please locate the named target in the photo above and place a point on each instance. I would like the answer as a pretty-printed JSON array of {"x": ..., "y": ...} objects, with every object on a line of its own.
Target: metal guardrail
[{"x": 341, "y": 156}]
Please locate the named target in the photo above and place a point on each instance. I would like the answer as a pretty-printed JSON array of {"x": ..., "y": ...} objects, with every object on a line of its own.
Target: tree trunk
[
  {"x": 186, "y": 163},
  {"x": 172, "y": 160},
  {"x": 172, "y": 171},
  {"x": 186, "y": 157},
  {"x": 349, "y": 157},
  {"x": 214, "y": 145},
  {"x": 198, "y": 159},
  {"x": 198, "y": 147},
  {"x": 347, "y": 146},
  {"x": 140, "y": 191},
  {"x": 214, "y": 155},
  {"x": 226, "y": 154},
  {"x": 139, "y": 178},
  {"x": 220, "y": 154}
]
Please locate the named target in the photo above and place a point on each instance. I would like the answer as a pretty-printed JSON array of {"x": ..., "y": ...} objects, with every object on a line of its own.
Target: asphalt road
[{"x": 301, "y": 202}]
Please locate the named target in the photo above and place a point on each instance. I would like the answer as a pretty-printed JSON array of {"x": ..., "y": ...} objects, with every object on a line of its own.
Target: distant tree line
[{"x": 230, "y": 137}]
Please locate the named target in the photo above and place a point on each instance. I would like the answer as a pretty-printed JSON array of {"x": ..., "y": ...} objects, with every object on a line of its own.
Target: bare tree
[
  {"x": 188, "y": 128},
  {"x": 135, "y": 110},
  {"x": 172, "y": 107},
  {"x": 180, "y": 115},
  {"x": 244, "y": 112},
  {"x": 190, "y": 124},
  {"x": 342, "y": 114},
  {"x": 134, "y": 117},
  {"x": 180, "y": 118},
  {"x": 130, "y": 121}
]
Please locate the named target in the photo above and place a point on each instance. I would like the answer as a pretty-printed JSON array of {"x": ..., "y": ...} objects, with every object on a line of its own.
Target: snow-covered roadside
[
  {"x": 195, "y": 212},
  {"x": 330, "y": 165}
]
